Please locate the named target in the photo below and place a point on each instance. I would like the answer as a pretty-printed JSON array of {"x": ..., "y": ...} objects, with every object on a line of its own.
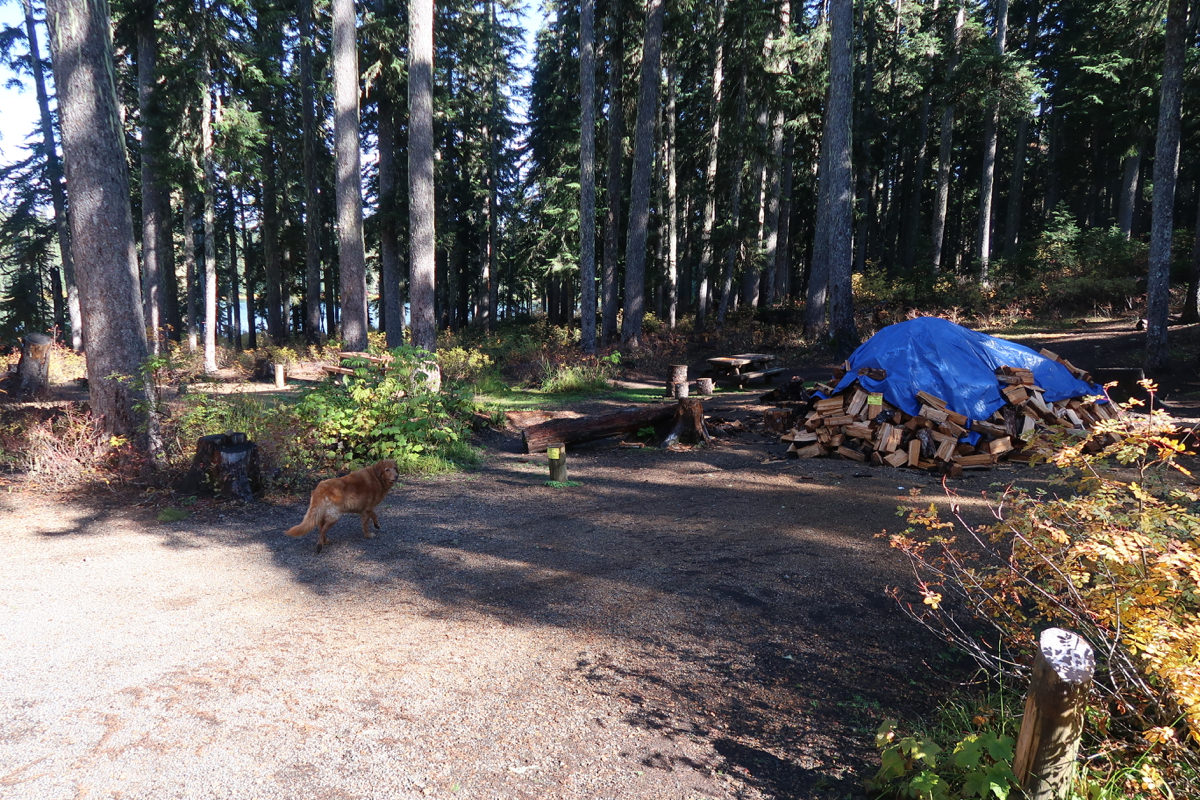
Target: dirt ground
[{"x": 710, "y": 623}]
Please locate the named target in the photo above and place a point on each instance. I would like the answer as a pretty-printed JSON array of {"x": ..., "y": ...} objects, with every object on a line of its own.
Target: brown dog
[{"x": 359, "y": 492}]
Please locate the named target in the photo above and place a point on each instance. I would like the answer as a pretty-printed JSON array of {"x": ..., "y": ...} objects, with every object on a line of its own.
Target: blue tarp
[{"x": 956, "y": 364}]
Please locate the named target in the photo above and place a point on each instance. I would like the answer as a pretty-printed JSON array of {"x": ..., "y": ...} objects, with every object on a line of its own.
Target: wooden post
[
  {"x": 704, "y": 386},
  {"x": 681, "y": 390},
  {"x": 1048, "y": 743},
  {"x": 556, "y": 454},
  {"x": 280, "y": 376}
]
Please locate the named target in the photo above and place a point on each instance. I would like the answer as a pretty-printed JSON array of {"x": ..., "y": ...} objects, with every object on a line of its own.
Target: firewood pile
[{"x": 862, "y": 426}]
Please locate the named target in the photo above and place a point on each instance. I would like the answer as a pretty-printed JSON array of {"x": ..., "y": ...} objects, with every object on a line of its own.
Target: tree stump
[
  {"x": 33, "y": 371},
  {"x": 688, "y": 424},
  {"x": 704, "y": 386},
  {"x": 225, "y": 464},
  {"x": 1048, "y": 743},
  {"x": 678, "y": 377}
]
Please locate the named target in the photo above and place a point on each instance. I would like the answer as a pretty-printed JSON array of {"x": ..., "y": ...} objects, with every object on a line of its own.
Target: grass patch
[{"x": 172, "y": 515}]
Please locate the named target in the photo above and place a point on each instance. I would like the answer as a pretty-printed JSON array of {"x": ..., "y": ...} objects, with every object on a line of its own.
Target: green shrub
[
  {"x": 977, "y": 765},
  {"x": 464, "y": 365},
  {"x": 388, "y": 411}
]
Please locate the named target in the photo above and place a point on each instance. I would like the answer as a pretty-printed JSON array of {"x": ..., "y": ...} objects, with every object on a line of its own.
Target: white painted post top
[{"x": 1069, "y": 654}]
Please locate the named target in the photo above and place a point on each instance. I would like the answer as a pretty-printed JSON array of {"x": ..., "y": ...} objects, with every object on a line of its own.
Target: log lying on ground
[
  {"x": 862, "y": 426},
  {"x": 683, "y": 421}
]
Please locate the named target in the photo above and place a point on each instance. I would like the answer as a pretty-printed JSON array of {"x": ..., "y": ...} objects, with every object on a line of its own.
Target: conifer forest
[{"x": 312, "y": 169}]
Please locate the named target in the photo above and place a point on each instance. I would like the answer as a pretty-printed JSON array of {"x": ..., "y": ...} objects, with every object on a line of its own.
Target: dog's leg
[
  {"x": 367, "y": 532},
  {"x": 321, "y": 539}
]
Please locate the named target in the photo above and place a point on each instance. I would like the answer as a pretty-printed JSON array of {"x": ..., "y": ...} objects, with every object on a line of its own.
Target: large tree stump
[
  {"x": 1048, "y": 743},
  {"x": 33, "y": 371},
  {"x": 225, "y": 464},
  {"x": 688, "y": 424},
  {"x": 685, "y": 419}
]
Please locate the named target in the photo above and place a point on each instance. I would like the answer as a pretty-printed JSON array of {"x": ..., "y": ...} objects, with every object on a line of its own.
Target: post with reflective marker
[
  {"x": 557, "y": 456},
  {"x": 1048, "y": 743}
]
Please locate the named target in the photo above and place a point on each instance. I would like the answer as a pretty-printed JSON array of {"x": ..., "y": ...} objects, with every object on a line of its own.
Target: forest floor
[{"x": 705, "y": 623}]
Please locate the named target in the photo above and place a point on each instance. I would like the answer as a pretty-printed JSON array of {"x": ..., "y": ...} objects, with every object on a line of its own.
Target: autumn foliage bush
[{"x": 1114, "y": 556}]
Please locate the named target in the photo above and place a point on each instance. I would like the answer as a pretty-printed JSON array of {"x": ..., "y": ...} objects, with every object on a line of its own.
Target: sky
[{"x": 18, "y": 106}]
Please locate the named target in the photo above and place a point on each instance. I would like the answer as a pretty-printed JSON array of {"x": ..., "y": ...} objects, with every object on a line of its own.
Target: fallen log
[{"x": 684, "y": 419}]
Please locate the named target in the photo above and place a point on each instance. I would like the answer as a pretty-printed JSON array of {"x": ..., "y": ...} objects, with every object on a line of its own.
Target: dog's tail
[{"x": 306, "y": 524}]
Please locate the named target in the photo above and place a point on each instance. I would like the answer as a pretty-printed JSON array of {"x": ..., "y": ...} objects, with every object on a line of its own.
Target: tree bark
[
  {"x": 643, "y": 161},
  {"x": 704, "y": 269},
  {"x": 587, "y": 176},
  {"x": 735, "y": 204},
  {"x": 1131, "y": 166},
  {"x": 942, "y": 203},
  {"x": 351, "y": 258},
  {"x": 270, "y": 51},
  {"x": 771, "y": 220},
  {"x": 990, "y": 135},
  {"x": 1166, "y": 168},
  {"x": 96, "y": 172},
  {"x": 613, "y": 183},
  {"x": 840, "y": 111},
  {"x": 672, "y": 265},
  {"x": 391, "y": 304},
  {"x": 54, "y": 177},
  {"x": 312, "y": 216},
  {"x": 420, "y": 174},
  {"x": 210, "y": 227}
]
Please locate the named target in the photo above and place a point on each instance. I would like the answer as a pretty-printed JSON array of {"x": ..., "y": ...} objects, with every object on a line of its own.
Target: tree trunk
[
  {"x": 643, "y": 161},
  {"x": 235, "y": 295},
  {"x": 1166, "y": 169},
  {"x": 735, "y": 204},
  {"x": 270, "y": 46},
  {"x": 351, "y": 258},
  {"x": 420, "y": 174},
  {"x": 840, "y": 234},
  {"x": 312, "y": 216},
  {"x": 613, "y": 183},
  {"x": 1131, "y": 166},
  {"x": 704, "y": 269},
  {"x": 191, "y": 276},
  {"x": 990, "y": 135},
  {"x": 210, "y": 232},
  {"x": 1191, "y": 303},
  {"x": 1016, "y": 184},
  {"x": 587, "y": 176},
  {"x": 783, "y": 261},
  {"x": 152, "y": 191},
  {"x": 942, "y": 204},
  {"x": 54, "y": 177},
  {"x": 94, "y": 157},
  {"x": 672, "y": 264},
  {"x": 771, "y": 220}
]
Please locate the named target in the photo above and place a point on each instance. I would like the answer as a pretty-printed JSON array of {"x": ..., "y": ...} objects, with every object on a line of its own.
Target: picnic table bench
[{"x": 743, "y": 368}]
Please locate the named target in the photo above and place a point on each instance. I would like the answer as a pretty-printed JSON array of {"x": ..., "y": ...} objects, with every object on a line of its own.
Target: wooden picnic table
[{"x": 743, "y": 367}]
